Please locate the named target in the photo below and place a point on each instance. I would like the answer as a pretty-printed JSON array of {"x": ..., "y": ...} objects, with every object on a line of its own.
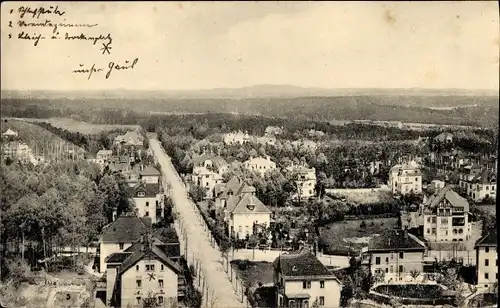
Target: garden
[
  {"x": 412, "y": 294},
  {"x": 256, "y": 277}
]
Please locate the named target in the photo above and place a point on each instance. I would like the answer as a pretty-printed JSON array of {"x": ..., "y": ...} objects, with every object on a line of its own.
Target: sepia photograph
[{"x": 249, "y": 154}]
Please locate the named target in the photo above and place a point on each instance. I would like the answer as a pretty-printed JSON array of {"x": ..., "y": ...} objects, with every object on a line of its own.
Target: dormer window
[
  {"x": 141, "y": 194},
  {"x": 251, "y": 207}
]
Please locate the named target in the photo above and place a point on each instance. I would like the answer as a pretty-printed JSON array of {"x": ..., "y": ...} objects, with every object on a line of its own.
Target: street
[{"x": 221, "y": 292}]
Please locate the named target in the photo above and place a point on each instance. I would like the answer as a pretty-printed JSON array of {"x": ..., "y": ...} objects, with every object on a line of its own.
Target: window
[
  {"x": 150, "y": 267},
  {"x": 486, "y": 249},
  {"x": 401, "y": 255},
  {"x": 377, "y": 260},
  {"x": 306, "y": 284},
  {"x": 433, "y": 230},
  {"x": 121, "y": 245},
  {"x": 322, "y": 284},
  {"x": 428, "y": 230},
  {"x": 486, "y": 262},
  {"x": 401, "y": 268},
  {"x": 162, "y": 267},
  {"x": 387, "y": 260},
  {"x": 487, "y": 187},
  {"x": 147, "y": 214},
  {"x": 138, "y": 298},
  {"x": 137, "y": 267},
  {"x": 141, "y": 194},
  {"x": 280, "y": 301},
  {"x": 138, "y": 283},
  {"x": 160, "y": 300},
  {"x": 486, "y": 276},
  {"x": 160, "y": 283},
  {"x": 433, "y": 220},
  {"x": 321, "y": 300},
  {"x": 428, "y": 220},
  {"x": 387, "y": 270},
  {"x": 416, "y": 179}
]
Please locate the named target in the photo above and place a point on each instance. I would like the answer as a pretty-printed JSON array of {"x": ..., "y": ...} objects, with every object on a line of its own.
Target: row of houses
[
  {"x": 478, "y": 182},
  {"x": 268, "y": 139}
]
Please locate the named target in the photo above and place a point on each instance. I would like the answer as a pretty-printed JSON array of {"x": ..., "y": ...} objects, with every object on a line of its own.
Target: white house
[
  {"x": 148, "y": 200},
  {"x": 487, "y": 260},
  {"x": 9, "y": 133},
  {"x": 230, "y": 188},
  {"x": 302, "y": 281},
  {"x": 216, "y": 164},
  {"x": 308, "y": 144},
  {"x": 237, "y": 138},
  {"x": 150, "y": 175},
  {"x": 207, "y": 179},
  {"x": 245, "y": 213},
  {"x": 103, "y": 157},
  {"x": 446, "y": 217},
  {"x": 259, "y": 164},
  {"x": 404, "y": 179},
  {"x": 395, "y": 253},
  {"x": 305, "y": 180},
  {"x": 120, "y": 235},
  {"x": 482, "y": 186},
  {"x": 437, "y": 184},
  {"x": 131, "y": 138},
  {"x": 145, "y": 269}
]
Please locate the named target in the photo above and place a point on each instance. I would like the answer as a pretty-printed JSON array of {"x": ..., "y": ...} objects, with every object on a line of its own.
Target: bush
[{"x": 19, "y": 270}]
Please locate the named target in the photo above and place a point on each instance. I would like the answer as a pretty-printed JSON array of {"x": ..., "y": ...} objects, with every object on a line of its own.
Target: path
[{"x": 199, "y": 246}]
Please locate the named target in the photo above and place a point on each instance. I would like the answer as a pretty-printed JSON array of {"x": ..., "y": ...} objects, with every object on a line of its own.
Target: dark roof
[
  {"x": 447, "y": 193},
  {"x": 485, "y": 177},
  {"x": 149, "y": 171},
  {"x": 118, "y": 257},
  {"x": 300, "y": 265},
  {"x": 149, "y": 253},
  {"x": 487, "y": 240},
  {"x": 167, "y": 235},
  {"x": 125, "y": 229},
  {"x": 395, "y": 240},
  {"x": 149, "y": 190}
]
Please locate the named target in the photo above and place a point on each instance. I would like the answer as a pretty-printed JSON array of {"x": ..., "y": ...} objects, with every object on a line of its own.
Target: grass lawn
[
  {"x": 344, "y": 234},
  {"x": 489, "y": 209}
]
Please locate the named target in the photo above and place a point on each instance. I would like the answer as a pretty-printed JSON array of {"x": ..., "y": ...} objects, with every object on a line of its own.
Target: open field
[
  {"x": 363, "y": 195},
  {"x": 339, "y": 236},
  {"x": 80, "y": 127},
  {"x": 489, "y": 209}
]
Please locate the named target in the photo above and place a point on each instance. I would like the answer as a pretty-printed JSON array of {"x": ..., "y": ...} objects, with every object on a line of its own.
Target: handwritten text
[
  {"x": 112, "y": 66},
  {"x": 36, "y": 13}
]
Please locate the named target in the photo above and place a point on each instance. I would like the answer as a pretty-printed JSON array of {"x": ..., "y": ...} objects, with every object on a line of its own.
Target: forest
[{"x": 64, "y": 204}]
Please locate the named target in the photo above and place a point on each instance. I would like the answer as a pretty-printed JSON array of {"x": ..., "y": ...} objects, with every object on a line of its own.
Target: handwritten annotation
[
  {"x": 54, "y": 25},
  {"x": 37, "y": 12},
  {"x": 111, "y": 67}
]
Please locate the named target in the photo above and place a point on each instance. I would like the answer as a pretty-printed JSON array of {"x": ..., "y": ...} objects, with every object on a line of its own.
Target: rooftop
[
  {"x": 150, "y": 171},
  {"x": 300, "y": 265},
  {"x": 447, "y": 193},
  {"x": 395, "y": 240},
  {"x": 125, "y": 229},
  {"x": 489, "y": 240}
]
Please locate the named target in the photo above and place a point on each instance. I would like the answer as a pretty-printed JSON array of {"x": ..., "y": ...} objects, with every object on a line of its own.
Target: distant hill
[{"x": 257, "y": 91}]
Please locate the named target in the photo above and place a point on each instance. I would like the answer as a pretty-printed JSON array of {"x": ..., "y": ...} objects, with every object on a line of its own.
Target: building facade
[
  {"x": 487, "y": 260},
  {"x": 405, "y": 179},
  {"x": 446, "y": 217},
  {"x": 305, "y": 181},
  {"x": 260, "y": 165},
  {"x": 303, "y": 281}
]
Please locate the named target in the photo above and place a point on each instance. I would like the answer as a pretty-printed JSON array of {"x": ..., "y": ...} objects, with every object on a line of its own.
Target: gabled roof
[
  {"x": 104, "y": 152},
  {"x": 248, "y": 203},
  {"x": 164, "y": 239},
  {"x": 233, "y": 186},
  {"x": 201, "y": 159},
  {"x": 9, "y": 132},
  {"x": 489, "y": 240},
  {"x": 150, "y": 171},
  {"x": 395, "y": 240},
  {"x": 451, "y": 196},
  {"x": 150, "y": 190},
  {"x": 132, "y": 135},
  {"x": 153, "y": 253},
  {"x": 485, "y": 177},
  {"x": 303, "y": 264},
  {"x": 125, "y": 229}
]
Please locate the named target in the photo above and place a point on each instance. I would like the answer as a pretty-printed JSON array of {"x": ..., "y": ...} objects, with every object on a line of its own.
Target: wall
[
  {"x": 442, "y": 225},
  {"x": 151, "y": 179},
  {"x": 130, "y": 291},
  {"x": 248, "y": 220},
  {"x": 331, "y": 291},
  {"x": 491, "y": 269},
  {"x": 107, "y": 249},
  {"x": 140, "y": 205},
  {"x": 410, "y": 261}
]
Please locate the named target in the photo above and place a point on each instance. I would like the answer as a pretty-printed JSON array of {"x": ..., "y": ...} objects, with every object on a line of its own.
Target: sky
[{"x": 203, "y": 45}]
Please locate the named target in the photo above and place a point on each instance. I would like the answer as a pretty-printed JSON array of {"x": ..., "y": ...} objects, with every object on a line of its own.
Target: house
[
  {"x": 446, "y": 217},
  {"x": 120, "y": 235},
  {"x": 259, "y": 164},
  {"x": 305, "y": 181},
  {"x": 302, "y": 281},
  {"x": 216, "y": 164},
  {"x": 482, "y": 186},
  {"x": 444, "y": 138},
  {"x": 148, "y": 200},
  {"x": 207, "y": 179},
  {"x": 266, "y": 140},
  {"x": 9, "y": 134},
  {"x": 103, "y": 157},
  {"x": 150, "y": 175},
  {"x": 131, "y": 138},
  {"x": 237, "y": 138},
  {"x": 227, "y": 189},
  {"x": 245, "y": 213},
  {"x": 305, "y": 143},
  {"x": 273, "y": 130},
  {"x": 487, "y": 260},
  {"x": 413, "y": 221},
  {"x": 145, "y": 269},
  {"x": 375, "y": 167},
  {"x": 404, "y": 179},
  {"x": 460, "y": 161},
  {"x": 395, "y": 253},
  {"x": 466, "y": 175},
  {"x": 22, "y": 152},
  {"x": 437, "y": 184}
]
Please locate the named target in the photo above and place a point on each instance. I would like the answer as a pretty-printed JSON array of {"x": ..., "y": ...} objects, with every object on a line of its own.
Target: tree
[
  {"x": 193, "y": 298},
  {"x": 252, "y": 242},
  {"x": 414, "y": 274},
  {"x": 151, "y": 301},
  {"x": 197, "y": 193}
]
